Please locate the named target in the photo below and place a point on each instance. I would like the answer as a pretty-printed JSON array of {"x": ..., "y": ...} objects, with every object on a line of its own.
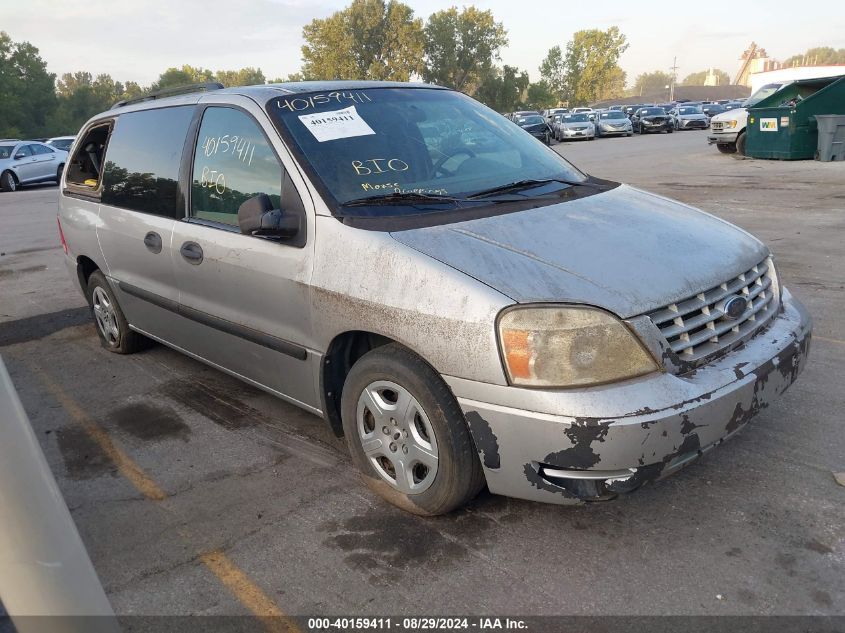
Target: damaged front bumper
[{"x": 614, "y": 438}]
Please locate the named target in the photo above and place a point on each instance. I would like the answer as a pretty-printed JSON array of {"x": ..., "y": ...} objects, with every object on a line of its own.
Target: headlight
[
  {"x": 730, "y": 124},
  {"x": 568, "y": 346}
]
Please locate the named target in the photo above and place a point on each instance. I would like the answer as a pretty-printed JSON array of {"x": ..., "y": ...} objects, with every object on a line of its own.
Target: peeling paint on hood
[{"x": 625, "y": 250}]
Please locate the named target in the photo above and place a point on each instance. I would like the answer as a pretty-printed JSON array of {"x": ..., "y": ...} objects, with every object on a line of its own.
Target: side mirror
[
  {"x": 256, "y": 216},
  {"x": 20, "y": 156}
]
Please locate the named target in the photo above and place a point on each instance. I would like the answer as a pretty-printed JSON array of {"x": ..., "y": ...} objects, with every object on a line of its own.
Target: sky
[{"x": 135, "y": 40}]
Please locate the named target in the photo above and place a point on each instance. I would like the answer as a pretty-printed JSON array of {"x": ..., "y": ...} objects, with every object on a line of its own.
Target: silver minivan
[{"x": 459, "y": 301}]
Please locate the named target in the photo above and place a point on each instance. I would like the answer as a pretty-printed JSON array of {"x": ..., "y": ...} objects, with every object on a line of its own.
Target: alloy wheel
[{"x": 105, "y": 316}]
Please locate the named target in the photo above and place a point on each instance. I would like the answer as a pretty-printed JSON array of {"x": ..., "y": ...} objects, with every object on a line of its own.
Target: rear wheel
[
  {"x": 8, "y": 182},
  {"x": 59, "y": 173},
  {"x": 740, "y": 144},
  {"x": 407, "y": 434},
  {"x": 112, "y": 327},
  {"x": 726, "y": 148}
]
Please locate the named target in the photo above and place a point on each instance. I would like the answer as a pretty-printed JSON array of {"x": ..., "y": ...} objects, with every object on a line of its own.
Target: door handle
[
  {"x": 153, "y": 242},
  {"x": 192, "y": 252}
]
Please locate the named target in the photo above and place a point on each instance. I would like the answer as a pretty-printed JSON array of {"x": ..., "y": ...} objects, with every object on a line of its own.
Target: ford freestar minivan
[{"x": 460, "y": 302}]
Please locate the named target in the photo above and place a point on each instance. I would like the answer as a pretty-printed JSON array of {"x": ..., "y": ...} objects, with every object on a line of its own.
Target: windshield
[
  {"x": 652, "y": 111},
  {"x": 6, "y": 151},
  {"x": 613, "y": 114},
  {"x": 575, "y": 118},
  {"x": 62, "y": 143},
  {"x": 689, "y": 110},
  {"x": 530, "y": 120},
  {"x": 761, "y": 94},
  {"x": 394, "y": 142}
]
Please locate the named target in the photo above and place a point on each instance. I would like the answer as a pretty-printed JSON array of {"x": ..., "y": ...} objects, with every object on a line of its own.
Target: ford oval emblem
[{"x": 735, "y": 307}]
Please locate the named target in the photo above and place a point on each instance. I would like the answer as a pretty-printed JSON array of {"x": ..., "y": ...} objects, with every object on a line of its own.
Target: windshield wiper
[
  {"x": 399, "y": 198},
  {"x": 529, "y": 182}
]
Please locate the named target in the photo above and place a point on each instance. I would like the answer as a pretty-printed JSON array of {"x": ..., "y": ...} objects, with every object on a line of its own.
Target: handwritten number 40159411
[{"x": 235, "y": 146}]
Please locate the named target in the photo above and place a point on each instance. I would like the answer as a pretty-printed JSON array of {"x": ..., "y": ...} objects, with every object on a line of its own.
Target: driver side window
[{"x": 233, "y": 162}]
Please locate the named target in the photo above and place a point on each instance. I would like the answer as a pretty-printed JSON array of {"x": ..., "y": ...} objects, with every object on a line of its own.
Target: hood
[
  {"x": 654, "y": 117},
  {"x": 625, "y": 250},
  {"x": 534, "y": 127},
  {"x": 691, "y": 117},
  {"x": 729, "y": 115},
  {"x": 577, "y": 124}
]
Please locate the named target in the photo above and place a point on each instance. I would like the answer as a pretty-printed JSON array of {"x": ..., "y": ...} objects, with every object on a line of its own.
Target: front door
[{"x": 248, "y": 297}]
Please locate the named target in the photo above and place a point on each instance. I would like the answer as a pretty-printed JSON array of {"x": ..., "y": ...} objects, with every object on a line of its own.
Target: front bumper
[
  {"x": 585, "y": 133},
  {"x": 605, "y": 131},
  {"x": 693, "y": 124},
  {"x": 542, "y": 445},
  {"x": 722, "y": 138}
]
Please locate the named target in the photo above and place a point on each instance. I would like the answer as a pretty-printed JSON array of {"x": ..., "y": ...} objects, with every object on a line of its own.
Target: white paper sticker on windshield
[{"x": 328, "y": 126}]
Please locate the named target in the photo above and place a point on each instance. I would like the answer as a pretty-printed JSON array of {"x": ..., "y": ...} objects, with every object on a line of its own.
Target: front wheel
[
  {"x": 406, "y": 433},
  {"x": 740, "y": 144},
  {"x": 726, "y": 148},
  {"x": 8, "y": 182}
]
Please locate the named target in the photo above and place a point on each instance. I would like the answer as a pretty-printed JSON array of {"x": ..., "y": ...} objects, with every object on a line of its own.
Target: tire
[
  {"x": 726, "y": 148},
  {"x": 740, "y": 144},
  {"x": 112, "y": 327},
  {"x": 59, "y": 172},
  {"x": 381, "y": 378},
  {"x": 8, "y": 182},
  {"x": 670, "y": 130},
  {"x": 630, "y": 133}
]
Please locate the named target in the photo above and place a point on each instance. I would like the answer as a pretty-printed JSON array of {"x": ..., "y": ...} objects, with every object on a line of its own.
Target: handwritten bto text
[
  {"x": 237, "y": 147},
  {"x": 213, "y": 179},
  {"x": 298, "y": 104},
  {"x": 379, "y": 166}
]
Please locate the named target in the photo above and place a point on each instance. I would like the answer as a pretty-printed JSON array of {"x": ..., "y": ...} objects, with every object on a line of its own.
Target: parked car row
[
  {"x": 563, "y": 124},
  {"x": 32, "y": 162}
]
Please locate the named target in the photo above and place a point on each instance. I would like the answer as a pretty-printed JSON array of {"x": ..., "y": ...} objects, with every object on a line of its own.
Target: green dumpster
[{"x": 783, "y": 125}]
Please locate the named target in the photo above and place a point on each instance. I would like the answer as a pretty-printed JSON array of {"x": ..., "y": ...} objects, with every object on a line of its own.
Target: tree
[
  {"x": 821, "y": 55},
  {"x": 503, "y": 89},
  {"x": 243, "y": 77},
  {"x": 541, "y": 96},
  {"x": 652, "y": 83},
  {"x": 553, "y": 71},
  {"x": 173, "y": 77},
  {"x": 698, "y": 79},
  {"x": 27, "y": 92},
  {"x": 591, "y": 64},
  {"x": 81, "y": 96},
  {"x": 370, "y": 39},
  {"x": 460, "y": 48}
]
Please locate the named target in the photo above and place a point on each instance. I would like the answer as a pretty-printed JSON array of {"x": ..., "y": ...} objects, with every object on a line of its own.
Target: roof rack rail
[{"x": 170, "y": 92}]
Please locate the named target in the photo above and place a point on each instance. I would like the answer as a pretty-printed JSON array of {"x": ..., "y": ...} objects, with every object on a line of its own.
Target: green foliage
[
  {"x": 589, "y": 69},
  {"x": 173, "y": 77},
  {"x": 697, "y": 79},
  {"x": 243, "y": 77},
  {"x": 541, "y": 96},
  {"x": 819, "y": 56},
  {"x": 460, "y": 48},
  {"x": 370, "y": 39},
  {"x": 80, "y": 96},
  {"x": 503, "y": 89},
  {"x": 553, "y": 70},
  {"x": 652, "y": 83},
  {"x": 26, "y": 89}
]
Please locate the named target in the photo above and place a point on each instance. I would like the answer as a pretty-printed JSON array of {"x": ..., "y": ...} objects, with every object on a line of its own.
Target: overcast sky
[{"x": 137, "y": 39}]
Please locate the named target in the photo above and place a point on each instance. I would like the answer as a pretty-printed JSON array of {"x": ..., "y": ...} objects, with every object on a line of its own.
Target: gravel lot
[{"x": 756, "y": 527}]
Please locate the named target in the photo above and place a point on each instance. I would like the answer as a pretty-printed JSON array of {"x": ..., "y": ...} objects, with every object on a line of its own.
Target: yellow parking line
[
  {"x": 128, "y": 468},
  {"x": 247, "y": 592},
  {"x": 229, "y": 574},
  {"x": 828, "y": 340}
]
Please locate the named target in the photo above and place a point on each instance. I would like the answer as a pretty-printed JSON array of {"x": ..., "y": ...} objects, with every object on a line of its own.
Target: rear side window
[
  {"x": 233, "y": 162},
  {"x": 40, "y": 149},
  {"x": 144, "y": 152}
]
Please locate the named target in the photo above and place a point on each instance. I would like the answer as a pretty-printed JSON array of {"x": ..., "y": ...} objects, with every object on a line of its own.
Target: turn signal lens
[{"x": 566, "y": 346}]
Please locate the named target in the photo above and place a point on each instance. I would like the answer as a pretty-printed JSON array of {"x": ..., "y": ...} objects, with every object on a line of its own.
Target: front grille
[
  {"x": 697, "y": 328},
  {"x": 717, "y": 125}
]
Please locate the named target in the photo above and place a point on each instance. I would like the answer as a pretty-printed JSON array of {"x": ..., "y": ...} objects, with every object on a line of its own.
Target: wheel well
[
  {"x": 13, "y": 174},
  {"x": 344, "y": 350},
  {"x": 84, "y": 268}
]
